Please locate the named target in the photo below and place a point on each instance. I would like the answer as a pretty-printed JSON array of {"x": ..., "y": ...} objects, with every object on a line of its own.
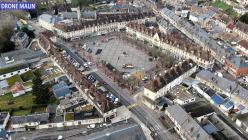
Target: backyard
[
  {"x": 227, "y": 9},
  {"x": 21, "y": 105}
]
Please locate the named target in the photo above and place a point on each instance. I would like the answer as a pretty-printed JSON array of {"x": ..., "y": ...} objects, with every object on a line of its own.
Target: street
[{"x": 152, "y": 123}]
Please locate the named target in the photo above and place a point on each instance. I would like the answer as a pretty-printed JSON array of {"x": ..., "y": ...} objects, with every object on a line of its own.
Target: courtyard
[{"x": 119, "y": 52}]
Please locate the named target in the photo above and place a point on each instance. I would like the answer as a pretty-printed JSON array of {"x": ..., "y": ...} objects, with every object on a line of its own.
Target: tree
[
  {"x": 33, "y": 13},
  {"x": 5, "y": 35},
  {"x": 40, "y": 91},
  {"x": 81, "y": 3},
  {"x": 244, "y": 18}
]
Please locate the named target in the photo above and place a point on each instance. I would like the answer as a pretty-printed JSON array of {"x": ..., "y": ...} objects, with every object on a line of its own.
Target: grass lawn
[
  {"x": 21, "y": 112},
  {"x": 228, "y": 9},
  {"x": 69, "y": 116},
  {"x": 28, "y": 84},
  {"x": 12, "y": 80},
  {"x": 28, "y": 76},
  {"x": 8, "y": 102}
]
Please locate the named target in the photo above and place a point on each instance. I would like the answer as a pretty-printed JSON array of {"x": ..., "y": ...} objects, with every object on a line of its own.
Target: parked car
[{"x": 98, "y": 51}]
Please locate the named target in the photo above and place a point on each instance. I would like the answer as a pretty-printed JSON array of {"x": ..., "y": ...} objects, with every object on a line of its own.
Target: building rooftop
[
  {"x": 61, "y": 89},
  {"x": 202, "y": 12},
  {"x": 217, "y": 99},
  {"x": 243, "y": 118},
  {"x": 19, "y": 56},
  {"x": 224, "y": 84},
  {"x": 180, "y": 92},
  {"x": 174, "y": 38},
  {"x": 3, "y": 135},
  {"x": 242, "y": 27},
  {"x": 223, "y": 18},
  {"x": 187, "y": 123},
  {"x": 101, "y": 20},
  {"x": 73, "y": 102},
  {"x": 48, "y": 18},
  {"x": 244, "y": 44},
  {"x": 40, "y": 118},
  {"x": 170, "y": 75},
  {"x": 237, "y": 61},
  {"x": 4, "y": 84},
  {"x": 195, "y": 31},
  {"x": 3, "y": 116},
  {"x": 17, "y": 87}
]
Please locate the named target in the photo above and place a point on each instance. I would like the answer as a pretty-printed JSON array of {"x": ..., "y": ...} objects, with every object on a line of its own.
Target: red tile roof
[
  {"x": 244, "y": 43},
  {"x": 16, "y": 87}
]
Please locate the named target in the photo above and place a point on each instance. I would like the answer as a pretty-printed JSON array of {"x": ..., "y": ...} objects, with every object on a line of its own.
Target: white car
[
  {"x": 91, "y": 126},
  {"x": 84, "y": 47},
  {"x": 89, "y": 63}
]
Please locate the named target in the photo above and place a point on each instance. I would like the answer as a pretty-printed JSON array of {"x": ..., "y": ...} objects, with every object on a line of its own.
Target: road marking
[{"x": 131, "y": 106}]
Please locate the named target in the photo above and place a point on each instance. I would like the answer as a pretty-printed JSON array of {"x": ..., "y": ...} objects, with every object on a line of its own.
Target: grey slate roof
[
  {"x": 187, "y": 123},
  {"x": 3, "y": 116},
  {"x": 224, "y": 84},
  {"x": 40, "y": 118},
  {"x": 4, "y": 84},
  {"x": 19, "y": 56}
]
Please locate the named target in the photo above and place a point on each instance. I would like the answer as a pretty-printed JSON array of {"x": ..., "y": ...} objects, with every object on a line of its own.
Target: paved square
[{"x": 117, "y": 52}]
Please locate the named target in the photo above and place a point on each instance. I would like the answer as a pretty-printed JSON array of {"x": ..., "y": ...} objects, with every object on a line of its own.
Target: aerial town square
[{"x": 123, "y": 69}]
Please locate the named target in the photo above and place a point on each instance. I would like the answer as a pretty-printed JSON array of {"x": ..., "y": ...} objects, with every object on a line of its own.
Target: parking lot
[{"x": 118, "y": 52}]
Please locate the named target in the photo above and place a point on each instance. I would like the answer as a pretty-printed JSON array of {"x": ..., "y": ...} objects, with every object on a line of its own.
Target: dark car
[{"x": 98, "y": 51}]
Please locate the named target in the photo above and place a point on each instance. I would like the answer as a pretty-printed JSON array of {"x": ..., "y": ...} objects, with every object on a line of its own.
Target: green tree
[
  {"x": 244, "y": 18},
  {"x": 40, "y": 91},
  {"x": 5, "y": 34},
  {"x": 81, "y": 3}
]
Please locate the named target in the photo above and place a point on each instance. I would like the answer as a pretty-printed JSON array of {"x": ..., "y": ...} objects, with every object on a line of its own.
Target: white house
[
  {"x": 162, "y": 84},
  {"x": 47, "y": 21},
  {"x": 30, "y": 121}
]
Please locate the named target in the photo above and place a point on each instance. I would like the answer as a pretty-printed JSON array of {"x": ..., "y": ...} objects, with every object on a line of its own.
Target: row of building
[
  {"x": 171, "y": 41},
  {"x": 164, "y": 82}
]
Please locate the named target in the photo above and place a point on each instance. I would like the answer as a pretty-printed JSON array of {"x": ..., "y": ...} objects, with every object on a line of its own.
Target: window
[
  {"x": 12, "y": 73},
  {"x": 19, "y": 71},
  {"x": 4, "y": 75}
]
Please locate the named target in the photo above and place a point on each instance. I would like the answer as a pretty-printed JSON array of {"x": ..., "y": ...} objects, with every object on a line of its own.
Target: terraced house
[
  {"x": 172, "y": 42},
  {"x": 166, "y": 81},
  {"x": 68, "y": 29}
]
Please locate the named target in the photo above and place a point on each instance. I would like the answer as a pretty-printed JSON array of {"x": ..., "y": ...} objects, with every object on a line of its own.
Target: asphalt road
[
  {"x": 143, "y": 115},
  {"x": 152, "y": 123}
]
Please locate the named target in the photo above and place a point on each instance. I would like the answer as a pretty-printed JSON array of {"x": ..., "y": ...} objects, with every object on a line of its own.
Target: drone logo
[{"x": 17, "y": 6}]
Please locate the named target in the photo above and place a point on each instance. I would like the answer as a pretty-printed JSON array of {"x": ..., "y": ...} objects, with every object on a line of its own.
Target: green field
[
  {"x": 28, "y": 84},
  {"x": 21, "y": 105},
  {"x": 227, "y": 9},
  {"x": 12, "y": 80}
]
